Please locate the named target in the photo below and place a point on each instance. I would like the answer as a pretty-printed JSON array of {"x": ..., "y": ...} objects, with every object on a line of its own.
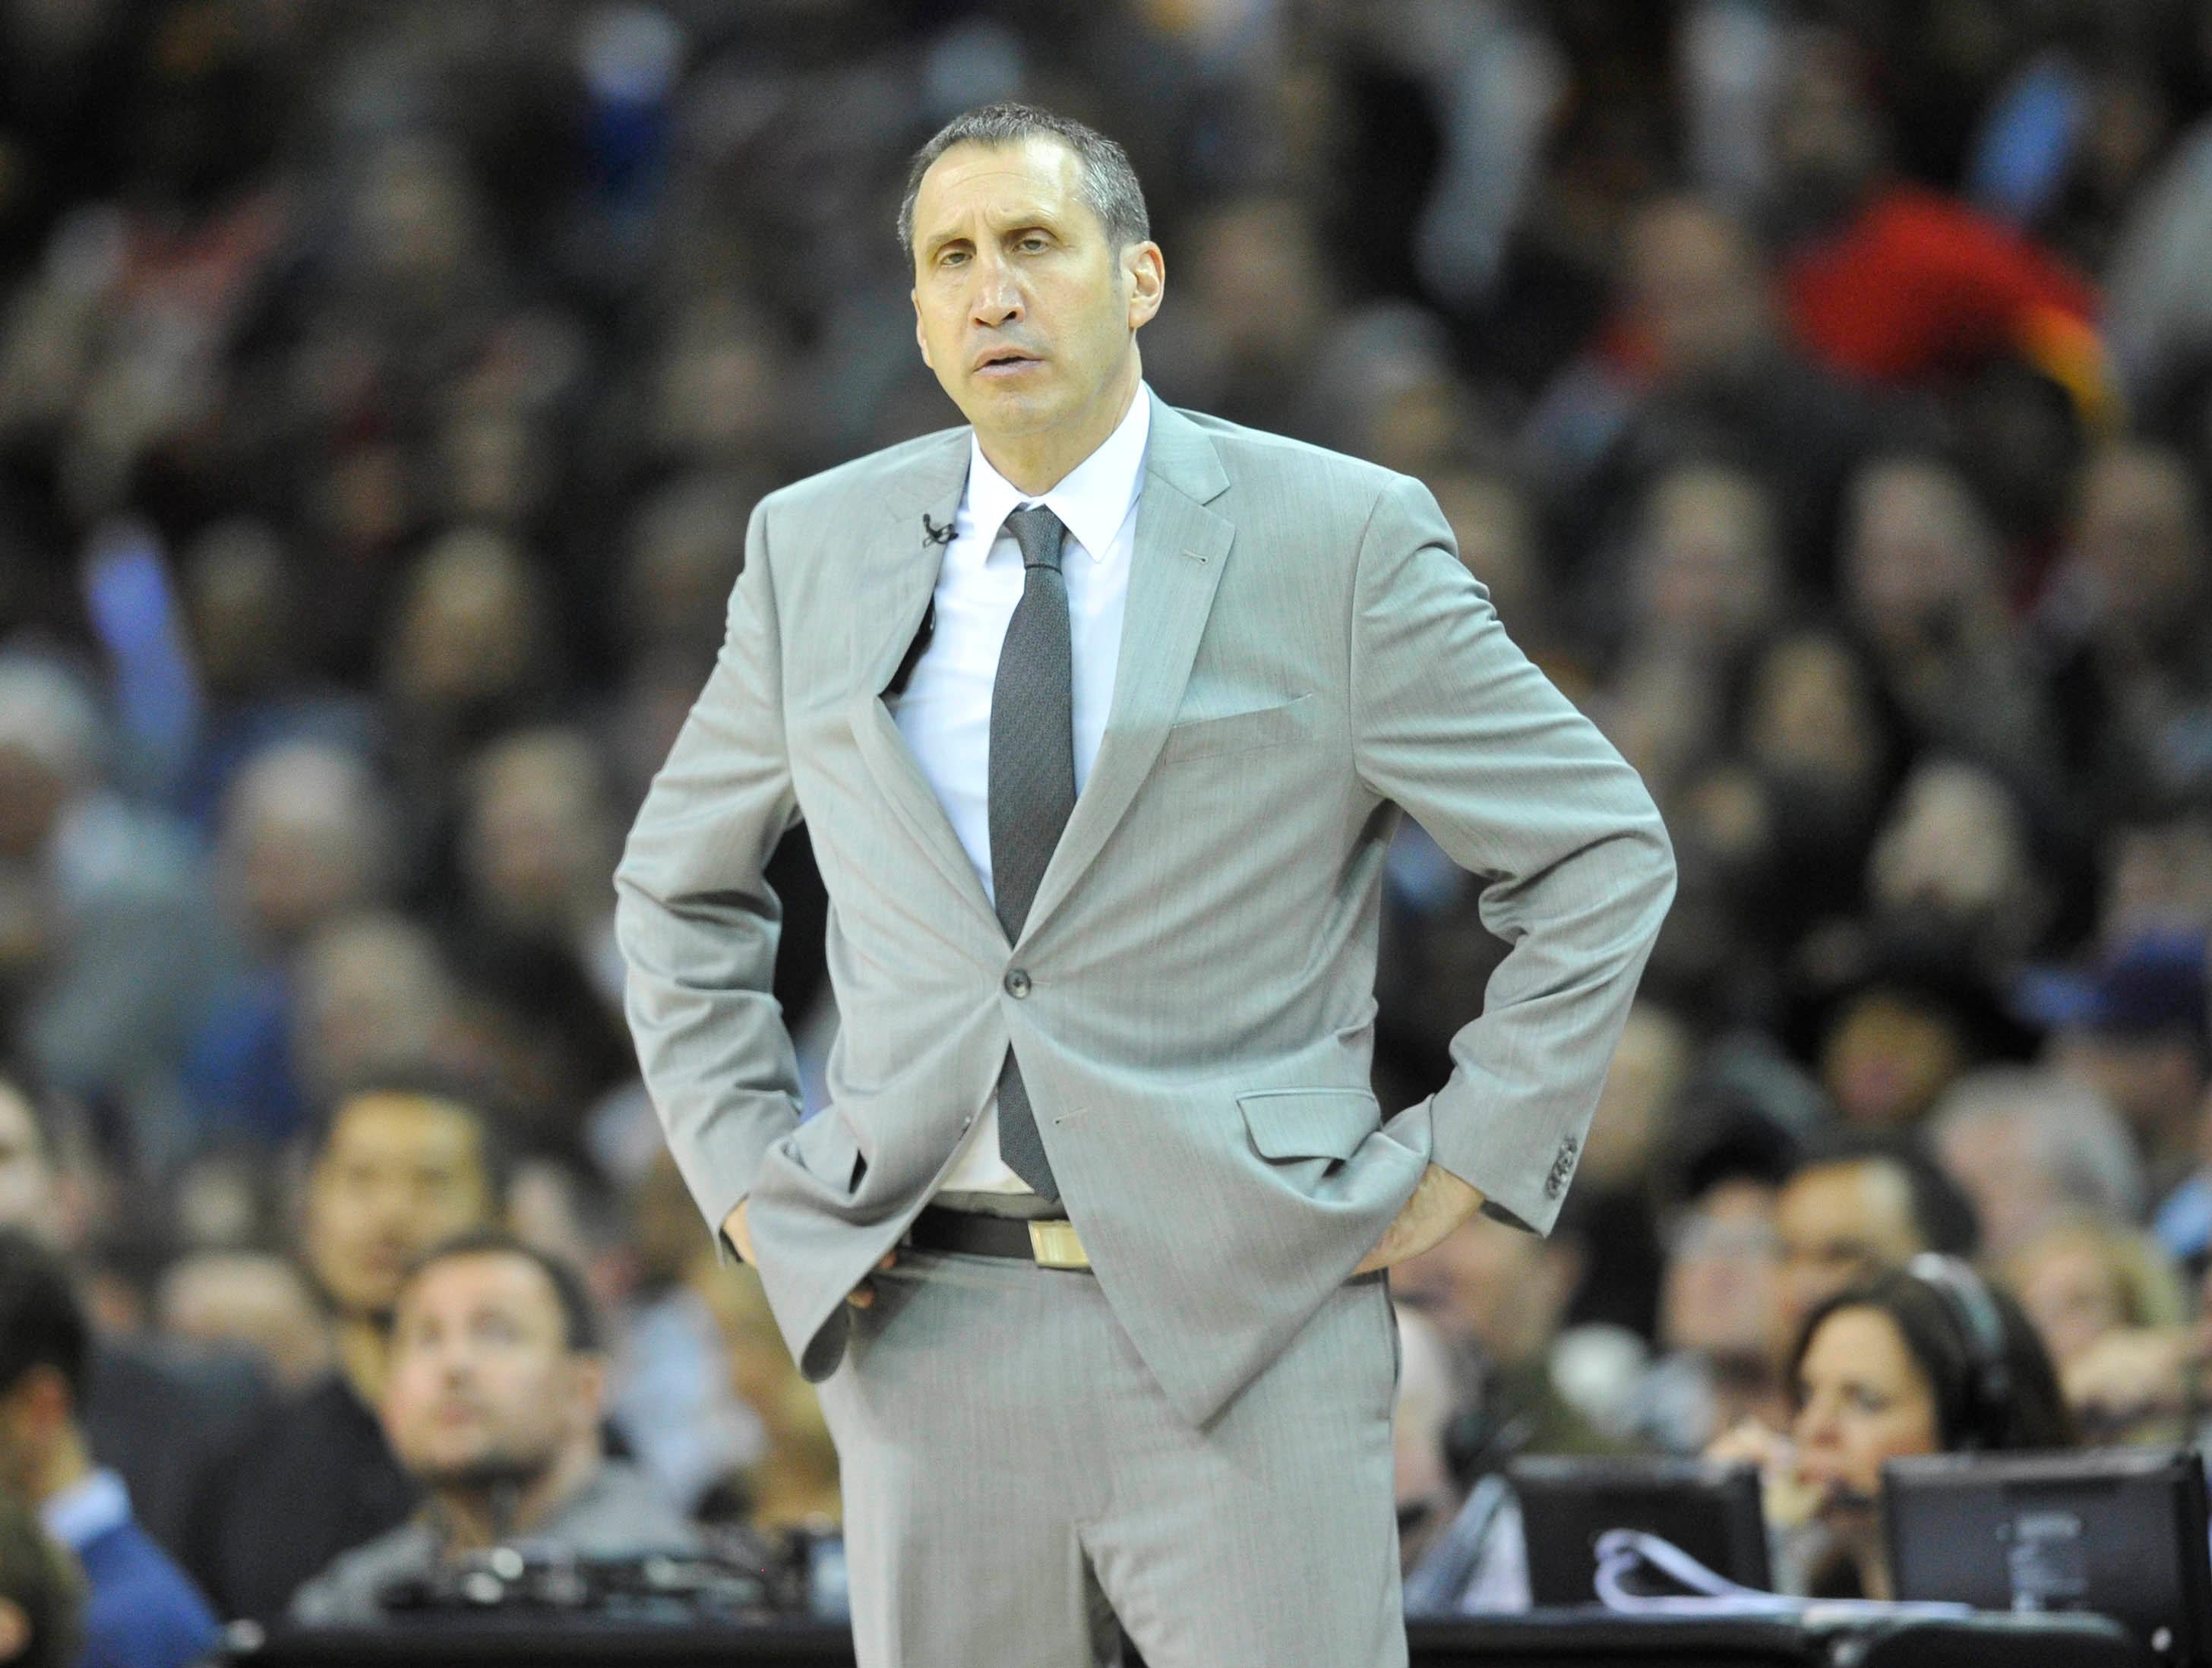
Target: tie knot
[{"x": 1039, "y": 532}]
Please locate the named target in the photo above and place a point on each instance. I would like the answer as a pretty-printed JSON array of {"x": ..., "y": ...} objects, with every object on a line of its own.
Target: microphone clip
[{"x": 934, "y": 534}]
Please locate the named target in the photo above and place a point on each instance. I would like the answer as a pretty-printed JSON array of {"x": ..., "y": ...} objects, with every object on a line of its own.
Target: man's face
[
  {"x": 26, "y": 1178},
  {"x": 400, "y": 1174},
  {"x": 1721, "y": 1290},
  {"x": 2137, "y": 535},
  {"x": 1492, "y": 1286},
  {"x": 2000, "y": 1163},
  {"x": 483, "y": 1386},
  {"x": 1022, "y": 309},
  {"x": 1840, "y": 1224},
  {"x": 1696, "y": 285}
]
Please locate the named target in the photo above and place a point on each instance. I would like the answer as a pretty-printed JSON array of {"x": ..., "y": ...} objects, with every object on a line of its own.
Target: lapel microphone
[{"x": 934, "y": 534}]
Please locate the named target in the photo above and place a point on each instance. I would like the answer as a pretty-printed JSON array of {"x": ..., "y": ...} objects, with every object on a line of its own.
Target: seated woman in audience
[
  {"x": 1927, "y": 1359},
  {"x": 2087, "y": 1276}
]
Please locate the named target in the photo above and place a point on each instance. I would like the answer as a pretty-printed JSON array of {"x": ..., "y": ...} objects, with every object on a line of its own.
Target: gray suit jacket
[{"x": 1302, "y": 654}]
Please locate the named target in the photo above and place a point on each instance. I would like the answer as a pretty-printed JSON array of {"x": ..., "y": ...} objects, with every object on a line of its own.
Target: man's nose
[{"x": 996, "y": 299}]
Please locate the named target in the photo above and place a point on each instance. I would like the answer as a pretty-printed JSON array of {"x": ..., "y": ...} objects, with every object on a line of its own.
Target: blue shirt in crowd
[{"x": 141, "y": 1610}]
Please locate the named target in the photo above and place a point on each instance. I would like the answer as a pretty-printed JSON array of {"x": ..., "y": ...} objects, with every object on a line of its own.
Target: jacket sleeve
[
  {"x": 696, "y": 921},
  {"x": 1452, "y": 723}
]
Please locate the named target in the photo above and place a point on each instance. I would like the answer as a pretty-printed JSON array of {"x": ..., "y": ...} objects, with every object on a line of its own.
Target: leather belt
[{"x": 1049, "y": 1242}]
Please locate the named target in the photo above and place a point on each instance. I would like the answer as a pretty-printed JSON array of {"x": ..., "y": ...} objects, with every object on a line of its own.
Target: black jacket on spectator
[
  {"x": 318, "y": 1479},
  {"x": 173, "y": 1427}
]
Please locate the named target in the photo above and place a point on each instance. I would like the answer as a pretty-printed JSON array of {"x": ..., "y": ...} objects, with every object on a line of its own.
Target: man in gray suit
[{"x": 1100, "y": 715}]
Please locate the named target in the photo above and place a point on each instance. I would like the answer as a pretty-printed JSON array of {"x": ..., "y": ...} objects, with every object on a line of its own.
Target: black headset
[{"x": 1966, "y": 1297}]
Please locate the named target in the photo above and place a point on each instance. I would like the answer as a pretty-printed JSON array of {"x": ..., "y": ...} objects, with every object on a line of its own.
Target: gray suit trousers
[{"x": 1015, "y": 1481}]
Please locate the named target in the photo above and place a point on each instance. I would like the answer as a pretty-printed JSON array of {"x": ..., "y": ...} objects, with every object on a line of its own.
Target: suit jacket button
[{"x": 1016, "y": 983}]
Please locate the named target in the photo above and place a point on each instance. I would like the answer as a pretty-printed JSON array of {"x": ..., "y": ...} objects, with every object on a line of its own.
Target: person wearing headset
[{"x": 1925, "y": 1359}]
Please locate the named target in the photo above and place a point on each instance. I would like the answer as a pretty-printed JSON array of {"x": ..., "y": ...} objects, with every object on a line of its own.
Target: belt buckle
[{"x": 1055, "y": 1245}]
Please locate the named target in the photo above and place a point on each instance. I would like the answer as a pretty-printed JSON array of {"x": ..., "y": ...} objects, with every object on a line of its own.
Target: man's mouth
[{"x": 1004, "y": 361}]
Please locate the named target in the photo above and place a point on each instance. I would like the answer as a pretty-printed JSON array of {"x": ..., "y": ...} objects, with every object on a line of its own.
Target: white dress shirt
[{"x": 945, "y": 713}]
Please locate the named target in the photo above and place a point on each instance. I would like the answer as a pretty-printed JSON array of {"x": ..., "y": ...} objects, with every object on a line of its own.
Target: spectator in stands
[
  {"x": 2134, "y": 1028},
  {"x": 2126, "y": 623},
  {"x": 142, "y": 1610},
  {"x": 492, "y": 1401},
  {"x": 1701, "y": 592},
  {"x": 469, "y": 656},
  {"x": 375, "y": 998},
  {"x": 1955, "y": 865},
  {"x": 392, "y": 1170},
  {"x": 1698, "y": 362},
  {"x": 1634, "y": 1121},
  {"x": 2029, "y": 1147},
  {"x": 1502, "y": 1294},
  {"x": 2086, "y": 1276},
  {"x": 109, "y": 945},
  {"x": 245, "y": 603},
  {"x": 170, "y": 1425},
  {"x": 1922, "y": 580},
  {"x": 1925, "y": 1359},
  {"x": 250, "y": 1300},
  {"x": 1858, "y": 1209},
  {"x": 791, "y": 1482},
  {"x": 1428, "y": 1398},
  {"x": 1720, "y": 1318},
  {"x": 1890, "y": 282},
  {"x": 533, "y": 937},
  {"x": 305, "y": 840},
  {"x": 2145, "y": 1383},
  {"x": 1906, "y": 1016},
  {"x": 673, "y": 1400},
  {"x": 41, "y": 1593}
]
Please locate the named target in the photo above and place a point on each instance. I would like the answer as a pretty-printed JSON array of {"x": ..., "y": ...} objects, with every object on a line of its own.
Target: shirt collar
[
  {"x": 1091, "y": 501},
  {"x": 81, "y": 1513}
]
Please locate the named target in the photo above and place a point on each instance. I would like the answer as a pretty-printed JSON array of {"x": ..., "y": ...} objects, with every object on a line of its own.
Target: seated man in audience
[
  {"x": 395, "y": 1170},
  {"x": 492, "y": 1400},
  {"x": 1499, "y": 1297},
  {"x": 1858, "y": 1208},
  {"x": 141, "y": 1610}
]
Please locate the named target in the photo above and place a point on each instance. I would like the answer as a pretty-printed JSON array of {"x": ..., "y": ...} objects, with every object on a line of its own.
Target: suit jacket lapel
[
  {"x": 896, "y": 578},
  {"x": 1182, "y": 548}
]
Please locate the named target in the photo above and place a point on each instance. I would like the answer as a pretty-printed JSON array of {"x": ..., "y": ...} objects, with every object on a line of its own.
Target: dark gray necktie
[{"x": 1032, "y": 782}]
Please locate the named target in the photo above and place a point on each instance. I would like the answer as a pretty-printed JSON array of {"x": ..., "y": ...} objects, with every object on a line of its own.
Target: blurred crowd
[{"x": 1823, "y": 388}]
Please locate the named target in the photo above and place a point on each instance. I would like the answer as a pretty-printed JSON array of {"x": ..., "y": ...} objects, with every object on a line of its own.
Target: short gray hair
[
  {"x": 2075, "y": 1135},
  {"x": 1110, "y": 184}
]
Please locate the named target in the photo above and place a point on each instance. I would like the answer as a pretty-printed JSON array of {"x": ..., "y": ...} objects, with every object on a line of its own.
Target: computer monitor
[
  {"x": 2120, "y": 1532},
  {"x": 1710, "y": 1510}
]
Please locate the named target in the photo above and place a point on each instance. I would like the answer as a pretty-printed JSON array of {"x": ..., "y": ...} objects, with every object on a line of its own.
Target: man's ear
[
  {"x": 1145, "y": 275},
  {"x": 921, "y": 335}
]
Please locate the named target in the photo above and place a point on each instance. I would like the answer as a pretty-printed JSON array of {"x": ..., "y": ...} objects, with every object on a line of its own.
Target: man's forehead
[
  {"x": 485, "y": 1279},
  {"x": 1859, "y": 1187},
  {"x": 1040, "y": 169},
  {"x": 412, "y": 1121}
]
